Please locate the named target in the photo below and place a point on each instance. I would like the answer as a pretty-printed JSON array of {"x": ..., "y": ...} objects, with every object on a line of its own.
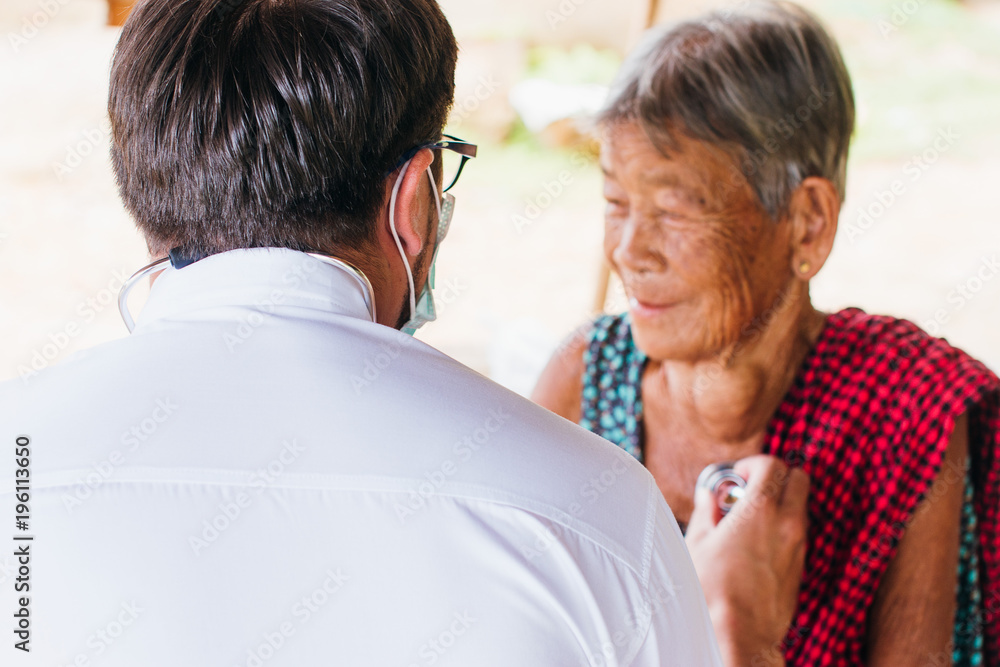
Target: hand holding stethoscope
[{"x": 747, "y": 538}]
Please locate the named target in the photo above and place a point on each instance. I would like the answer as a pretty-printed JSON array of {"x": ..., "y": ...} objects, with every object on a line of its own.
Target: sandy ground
[{"x": 507, "y": 291}]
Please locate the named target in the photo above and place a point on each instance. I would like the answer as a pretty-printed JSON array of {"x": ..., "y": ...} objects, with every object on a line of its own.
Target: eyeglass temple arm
[{"x": 459, "y": 146}]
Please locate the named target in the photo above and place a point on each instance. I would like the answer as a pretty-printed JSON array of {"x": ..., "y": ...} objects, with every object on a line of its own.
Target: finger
[
  {"x": 797, "y": 565},
  {"x": 794, "y": 509},
  {"x": 795, "y": 500},
  {"x": 703, "y": 518},
  {"x": 766, "y": 478}
]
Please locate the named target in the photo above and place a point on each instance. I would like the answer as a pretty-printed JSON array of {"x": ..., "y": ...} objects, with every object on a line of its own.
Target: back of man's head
[{"x": 272, "y": 123}]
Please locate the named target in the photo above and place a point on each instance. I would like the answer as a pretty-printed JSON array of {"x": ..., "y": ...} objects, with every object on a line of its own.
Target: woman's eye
[
  {"x": 673, "y": 216},
  {"x": 616, "y": 205}
]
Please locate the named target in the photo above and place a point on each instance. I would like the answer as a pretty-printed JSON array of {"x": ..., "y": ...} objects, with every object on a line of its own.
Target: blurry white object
[
  {"x": 540, "y": 102},
  {"x": 518, "y": 353}
]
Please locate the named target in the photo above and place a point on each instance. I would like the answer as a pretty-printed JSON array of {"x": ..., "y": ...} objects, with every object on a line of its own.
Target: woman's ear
[
  {"x": 411, "y": 208},
  {"x": 813, "y": 212}
]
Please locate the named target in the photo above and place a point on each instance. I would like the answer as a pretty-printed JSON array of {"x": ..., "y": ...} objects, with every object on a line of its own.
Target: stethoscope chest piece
[{"x": 724, "y": 483}]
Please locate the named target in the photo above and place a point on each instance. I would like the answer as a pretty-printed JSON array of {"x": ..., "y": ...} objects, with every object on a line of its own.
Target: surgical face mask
[{"x": 422, "y": 307}]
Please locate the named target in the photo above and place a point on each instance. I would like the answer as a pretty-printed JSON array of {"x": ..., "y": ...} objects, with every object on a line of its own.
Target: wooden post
[{"x": 118, "y": 11}]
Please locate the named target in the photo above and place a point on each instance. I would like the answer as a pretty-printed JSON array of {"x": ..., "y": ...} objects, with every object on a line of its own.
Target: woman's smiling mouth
[{"x": 642, "y": 308}]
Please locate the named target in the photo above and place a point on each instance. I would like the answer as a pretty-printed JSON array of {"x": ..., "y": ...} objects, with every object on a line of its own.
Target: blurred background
[{"x": 919, "y": 234}]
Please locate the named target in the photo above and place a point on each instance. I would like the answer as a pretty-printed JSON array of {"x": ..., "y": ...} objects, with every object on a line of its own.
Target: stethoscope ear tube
[
  {"x": 152, "y": 267},
  {"x": 357, "y": 274},
  {"x": 161, "y": 264}
]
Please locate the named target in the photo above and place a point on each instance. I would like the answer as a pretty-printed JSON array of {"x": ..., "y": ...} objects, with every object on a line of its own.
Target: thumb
[{"x": 704, "y": 517}]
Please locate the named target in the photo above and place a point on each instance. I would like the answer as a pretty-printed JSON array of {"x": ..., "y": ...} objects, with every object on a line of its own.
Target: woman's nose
[{"x": 637, "y": 249}]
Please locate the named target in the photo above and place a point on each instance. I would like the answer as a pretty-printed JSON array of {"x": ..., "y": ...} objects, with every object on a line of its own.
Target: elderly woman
[{"x": 724, "y": 151}]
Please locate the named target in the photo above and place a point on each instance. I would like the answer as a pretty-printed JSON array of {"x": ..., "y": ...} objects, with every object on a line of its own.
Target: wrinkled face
[{"x": 699, "y": 257}]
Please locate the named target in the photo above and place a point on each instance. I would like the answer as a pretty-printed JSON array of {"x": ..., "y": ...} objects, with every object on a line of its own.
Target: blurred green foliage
[
  {"x": 581, "y": 64},
  {"x": 918, "y": 66}
]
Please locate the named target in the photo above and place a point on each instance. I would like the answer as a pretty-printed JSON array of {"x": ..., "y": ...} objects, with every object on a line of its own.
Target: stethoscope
[
  {"x": 724, "y": 483},
  {"x": 162, "y": 263}
]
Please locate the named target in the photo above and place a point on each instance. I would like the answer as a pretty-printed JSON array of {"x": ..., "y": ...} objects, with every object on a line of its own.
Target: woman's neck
[{"x": 731, "y": 397}]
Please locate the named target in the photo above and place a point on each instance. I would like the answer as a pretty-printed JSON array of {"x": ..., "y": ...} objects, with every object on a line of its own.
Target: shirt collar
[{"x": 267, "y": 279}]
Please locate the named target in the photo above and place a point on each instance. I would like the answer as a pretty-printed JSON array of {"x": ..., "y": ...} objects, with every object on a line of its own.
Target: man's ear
[
  {"x": 411, "y": 208},
  {"x": 813, "y": 212}
]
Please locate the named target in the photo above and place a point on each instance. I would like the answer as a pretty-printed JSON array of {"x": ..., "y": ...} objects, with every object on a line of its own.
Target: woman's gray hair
[{"x": 765, "y": 83}]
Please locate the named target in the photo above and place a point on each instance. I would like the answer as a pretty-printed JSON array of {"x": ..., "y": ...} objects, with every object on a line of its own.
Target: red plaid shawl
[{"x": 869, "y": 419}]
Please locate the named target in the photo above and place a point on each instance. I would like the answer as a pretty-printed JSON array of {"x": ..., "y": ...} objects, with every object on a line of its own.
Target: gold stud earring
[{"x": 804, "y": 267}]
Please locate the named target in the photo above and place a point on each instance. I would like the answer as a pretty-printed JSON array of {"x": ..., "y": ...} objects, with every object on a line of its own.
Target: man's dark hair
[{"x": 256, "y": 123}]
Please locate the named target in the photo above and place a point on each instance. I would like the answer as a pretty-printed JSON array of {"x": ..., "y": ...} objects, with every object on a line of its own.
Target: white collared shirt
[{"x": 260, "y": 476}]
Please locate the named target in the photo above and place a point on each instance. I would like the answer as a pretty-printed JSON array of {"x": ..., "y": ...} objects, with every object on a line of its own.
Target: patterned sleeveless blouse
[{"x": 868, "y": 417}]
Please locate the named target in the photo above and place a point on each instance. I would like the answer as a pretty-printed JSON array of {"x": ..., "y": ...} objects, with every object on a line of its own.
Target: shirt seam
[
  {"x": 647, "y": 563},
  {"x": 647, "y": 540},
  {"x": 631, "y": 656},
  {"x": 463, "y": 491}
]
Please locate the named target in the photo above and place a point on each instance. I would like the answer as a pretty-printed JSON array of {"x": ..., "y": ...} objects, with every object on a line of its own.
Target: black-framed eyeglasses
[{"x": 453, "y": 153}]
